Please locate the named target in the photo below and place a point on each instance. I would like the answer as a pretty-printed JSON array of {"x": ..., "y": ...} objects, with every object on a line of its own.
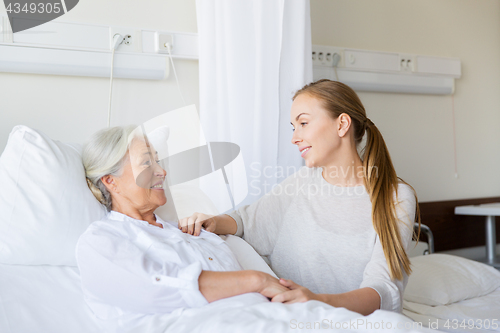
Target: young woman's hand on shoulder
[
  {"x": 193, "y": 224},
  {"x": 218, "y": 224}
]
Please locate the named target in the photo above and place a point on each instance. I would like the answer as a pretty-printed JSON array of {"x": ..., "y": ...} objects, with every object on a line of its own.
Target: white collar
[
  {"x": 117, "y": 216},
  {"x": 211, "y": 237}
]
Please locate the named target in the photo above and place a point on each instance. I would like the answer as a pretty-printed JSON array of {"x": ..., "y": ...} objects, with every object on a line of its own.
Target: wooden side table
[{"x": 490, "y": 210}]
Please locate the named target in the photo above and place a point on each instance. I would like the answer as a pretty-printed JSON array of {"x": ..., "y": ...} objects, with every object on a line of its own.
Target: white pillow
[
  {"x": 246, "y": 255},
  {"x": 441, "y": 279},
  {"x": 45, "y": 203}
]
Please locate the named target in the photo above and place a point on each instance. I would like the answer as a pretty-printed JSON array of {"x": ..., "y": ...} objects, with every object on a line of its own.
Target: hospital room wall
[
  {"x": 70, "y": 109},
  {"x": 418, "y": 129}
]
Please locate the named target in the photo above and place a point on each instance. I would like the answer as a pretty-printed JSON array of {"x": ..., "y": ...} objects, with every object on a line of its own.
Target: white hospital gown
[{"x": 129, "y": 266}]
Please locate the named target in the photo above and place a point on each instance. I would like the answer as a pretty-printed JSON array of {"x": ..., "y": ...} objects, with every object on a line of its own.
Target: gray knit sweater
[{"x": 321, "y": 236}]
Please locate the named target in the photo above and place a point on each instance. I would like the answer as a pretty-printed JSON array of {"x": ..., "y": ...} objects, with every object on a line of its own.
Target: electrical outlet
[
  {"x": 161, "y": 42},
  {"x": 324, "y": 56},
  {"x": 407, "y": 63},
  {"x": 131, "y": 39}
]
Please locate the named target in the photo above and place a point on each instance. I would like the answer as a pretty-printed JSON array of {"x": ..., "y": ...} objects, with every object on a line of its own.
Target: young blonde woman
[{"x": 339, "y": 229}]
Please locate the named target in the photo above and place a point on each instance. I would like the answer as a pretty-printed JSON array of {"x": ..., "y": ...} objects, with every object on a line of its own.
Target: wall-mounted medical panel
[
  {"x": 439, "y": 66},
  {"x": 390, "y": 82},
  {"x": 371, "y": 61},
  {"x": 65, "y": 35},
  {"x": 69, "y": 48},
  {"x": 31, "y": 60},
  {"x": 82, "y": 36},
  {"x": 366, "y": 70}
]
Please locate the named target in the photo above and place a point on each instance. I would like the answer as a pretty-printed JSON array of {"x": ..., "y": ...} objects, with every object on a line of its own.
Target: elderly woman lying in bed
[{"x": 132, "y": 261}]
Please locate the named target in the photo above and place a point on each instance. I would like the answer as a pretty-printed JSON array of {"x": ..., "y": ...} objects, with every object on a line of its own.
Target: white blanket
[
  {"x": 49, "y": 299},
  {"x": 244, "y": 314}
]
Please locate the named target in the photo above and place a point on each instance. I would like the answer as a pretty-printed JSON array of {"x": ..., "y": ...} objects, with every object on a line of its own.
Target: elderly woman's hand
[
  {"x": 192, "y": 225},
  {"x": 296, "y": 294},
  {"x": 269, "y": 286}
]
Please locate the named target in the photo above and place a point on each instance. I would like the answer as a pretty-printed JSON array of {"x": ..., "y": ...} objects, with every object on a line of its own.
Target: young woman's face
[{"x": 315, "y": 131}]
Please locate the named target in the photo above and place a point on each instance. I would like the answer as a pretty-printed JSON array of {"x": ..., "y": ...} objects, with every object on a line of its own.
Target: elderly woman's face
[{"x": 142, "y": 180}]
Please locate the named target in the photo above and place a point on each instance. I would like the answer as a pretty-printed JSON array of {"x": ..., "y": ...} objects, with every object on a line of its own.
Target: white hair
[{"x": 104, "y": 154}]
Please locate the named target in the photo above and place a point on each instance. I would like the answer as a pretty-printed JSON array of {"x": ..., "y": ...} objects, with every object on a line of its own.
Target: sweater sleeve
[
  {"x": 259, "y": 223},
  {"x": 377, "y": 274}
]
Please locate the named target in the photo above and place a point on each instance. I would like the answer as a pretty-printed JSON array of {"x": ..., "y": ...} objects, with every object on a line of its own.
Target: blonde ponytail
[{"x": 381, "y": 181}]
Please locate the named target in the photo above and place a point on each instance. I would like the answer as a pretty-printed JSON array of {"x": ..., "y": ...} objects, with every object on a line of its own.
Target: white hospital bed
[{"x": 40, "y": 285}]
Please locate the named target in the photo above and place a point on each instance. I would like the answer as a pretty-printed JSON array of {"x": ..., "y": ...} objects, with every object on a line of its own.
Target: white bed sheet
[
  {"x": 478, "y": 309},
  {"x": 37, "y": 299}
]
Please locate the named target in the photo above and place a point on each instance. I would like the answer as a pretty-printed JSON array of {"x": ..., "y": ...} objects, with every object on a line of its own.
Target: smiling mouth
[
  {"x": 157, "y": 186},
  {"x": 304, "y": 151}
]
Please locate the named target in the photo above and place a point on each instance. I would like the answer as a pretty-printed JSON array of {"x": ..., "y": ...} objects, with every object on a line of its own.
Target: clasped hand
[
  {"x": 282, "y": 290},
  {"x": 295, "y": 294}
]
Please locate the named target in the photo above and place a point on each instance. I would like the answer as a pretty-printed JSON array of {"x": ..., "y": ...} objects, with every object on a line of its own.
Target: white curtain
[{"x": 253, "y": 56}]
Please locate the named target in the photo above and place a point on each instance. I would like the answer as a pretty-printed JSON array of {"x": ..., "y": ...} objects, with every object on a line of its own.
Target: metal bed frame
[{"x": 428, "y": 233}]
